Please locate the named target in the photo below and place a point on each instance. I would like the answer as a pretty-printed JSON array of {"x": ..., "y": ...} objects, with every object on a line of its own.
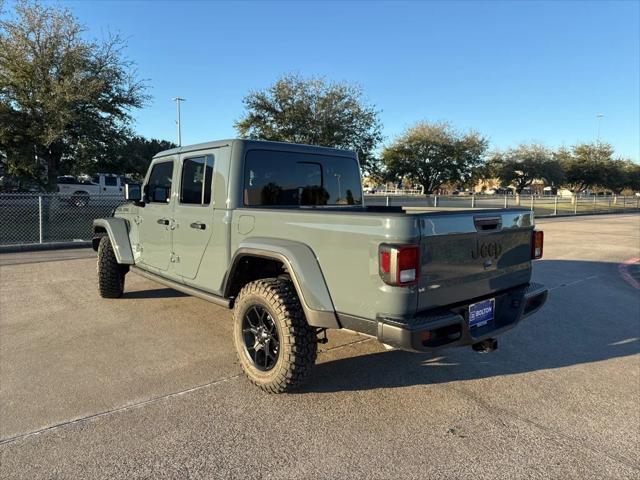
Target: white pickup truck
[{"x": 78, "y": 191}]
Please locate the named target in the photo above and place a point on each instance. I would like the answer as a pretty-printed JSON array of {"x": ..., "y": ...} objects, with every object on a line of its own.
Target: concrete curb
[{"x": 32, "y": 247}]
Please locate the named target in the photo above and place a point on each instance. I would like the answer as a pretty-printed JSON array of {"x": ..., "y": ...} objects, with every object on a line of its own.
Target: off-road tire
[
  {"x": 110, "y": 273},
  {"x": 80, "y": 200},
  {"x": 298, "y": 341}
]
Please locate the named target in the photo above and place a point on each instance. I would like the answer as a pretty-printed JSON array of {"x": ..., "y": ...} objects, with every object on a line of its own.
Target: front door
[
  {"x": 156, "y": 217},
  {"x": 193, "y": 213}
]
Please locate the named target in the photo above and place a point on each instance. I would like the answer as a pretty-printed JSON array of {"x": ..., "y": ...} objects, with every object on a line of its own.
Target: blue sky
[{"x": 515, "y": 71}]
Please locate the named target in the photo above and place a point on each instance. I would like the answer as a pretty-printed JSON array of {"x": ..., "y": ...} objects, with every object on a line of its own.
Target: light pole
[
  {"x": 178, "y": 100},
  {"x": 599, "y": 117},
  {"x": 337, "y": 175}
]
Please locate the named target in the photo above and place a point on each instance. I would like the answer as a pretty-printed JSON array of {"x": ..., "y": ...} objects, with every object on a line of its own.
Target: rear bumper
[{"x": 449, "y": 327}]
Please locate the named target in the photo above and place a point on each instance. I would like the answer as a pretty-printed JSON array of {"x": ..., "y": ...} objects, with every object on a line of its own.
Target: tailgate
[{"x": 471, "y": 254}]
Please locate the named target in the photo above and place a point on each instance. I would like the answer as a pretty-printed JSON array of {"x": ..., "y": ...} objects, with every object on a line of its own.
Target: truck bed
[{"x": 346, "y": 240}]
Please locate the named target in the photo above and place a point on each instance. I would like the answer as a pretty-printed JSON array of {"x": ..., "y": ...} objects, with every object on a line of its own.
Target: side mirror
[{"x": 132, "y": 192}]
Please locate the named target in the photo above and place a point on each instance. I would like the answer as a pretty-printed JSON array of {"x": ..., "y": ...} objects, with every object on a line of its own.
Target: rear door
[
  {"x": 193, "y": 213},
  {"x": 156, "y": 216},
  {"x": 469, "y": 255},
  {"x": 110, "y": 185}
]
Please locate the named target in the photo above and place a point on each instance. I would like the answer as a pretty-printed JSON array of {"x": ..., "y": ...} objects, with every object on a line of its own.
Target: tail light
[
  {"x": 537, "y": 242},
  {"x": 399, "y": 264}
]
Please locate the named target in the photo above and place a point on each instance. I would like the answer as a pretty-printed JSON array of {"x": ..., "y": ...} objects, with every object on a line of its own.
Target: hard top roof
[{"x": 256, "y": 144}]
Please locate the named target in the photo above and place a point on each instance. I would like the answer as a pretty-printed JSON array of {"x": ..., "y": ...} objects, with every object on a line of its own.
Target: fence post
[
  {"x": 555, "y": 205},
  {"x": 473, "y": 201},
  {"x": 594, "y": 203},
  {"x": 624, "y": 202},
  {"x": 532, "y": 200},
  {"x": 505, "y": 200},
  {"x": 576, "y": 199},
  {"x": 40, "y": 217},
  {"x": 387, "y": 200},
  {"x": 435, "y": 200}
]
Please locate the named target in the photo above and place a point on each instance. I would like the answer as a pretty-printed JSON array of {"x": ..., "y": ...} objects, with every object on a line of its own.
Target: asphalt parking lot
[{"x": 148, "y": 386}]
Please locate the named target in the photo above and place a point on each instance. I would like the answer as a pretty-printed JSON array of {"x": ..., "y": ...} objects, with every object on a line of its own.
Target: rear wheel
[
  {"x": 80, "y": 199},
  {"x": 275, "y": 345},
  {"x": 110, "y": 273}
]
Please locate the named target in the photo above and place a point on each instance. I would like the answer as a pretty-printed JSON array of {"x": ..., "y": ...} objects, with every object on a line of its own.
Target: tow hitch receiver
[{"x": 486, "y": 346}]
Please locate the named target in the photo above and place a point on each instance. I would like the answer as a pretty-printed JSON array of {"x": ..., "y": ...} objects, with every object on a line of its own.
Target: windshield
[{"x": 290, "y": 178}]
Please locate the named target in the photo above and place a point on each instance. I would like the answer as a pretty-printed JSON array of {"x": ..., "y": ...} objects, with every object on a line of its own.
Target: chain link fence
[
  {"x": 541, "y": 205},
  {"x": 46, "y": 218}
]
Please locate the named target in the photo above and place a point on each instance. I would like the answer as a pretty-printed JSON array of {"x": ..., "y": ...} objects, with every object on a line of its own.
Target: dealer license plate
[{"x": 481, "y": 313}]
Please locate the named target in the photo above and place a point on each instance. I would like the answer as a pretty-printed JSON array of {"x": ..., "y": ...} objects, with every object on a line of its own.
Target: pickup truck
[
  {"x": 79, "y": 192},
  {"x": 280, "y": 234}
]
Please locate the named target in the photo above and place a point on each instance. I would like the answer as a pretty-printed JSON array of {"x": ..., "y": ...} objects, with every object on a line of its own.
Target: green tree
[
  {"x": 585, "y": 165},
  {"x": 316, "y": 112},
  {"x": 620, "y": 174},
  {"x": 135, "y": 154},
  {"x": 61, "y": 96},
  {"x": 522, "y": 165},
  {"x": 633, "y": 176},
  {"x": 432, "y": 154}
]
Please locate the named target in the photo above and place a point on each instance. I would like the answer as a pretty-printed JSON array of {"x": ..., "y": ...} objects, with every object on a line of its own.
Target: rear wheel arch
[
  {"x": 246, "y": 268},
  {"x": 263, "y": 263}
]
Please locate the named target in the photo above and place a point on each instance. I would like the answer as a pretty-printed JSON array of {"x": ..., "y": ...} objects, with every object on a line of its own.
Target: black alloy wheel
[{"x": 261, "y": 339}]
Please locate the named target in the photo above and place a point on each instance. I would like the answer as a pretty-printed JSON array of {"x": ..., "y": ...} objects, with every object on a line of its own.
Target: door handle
[
  {"x": 163, "y": 221},
  {"x": 198, "y": 225}
]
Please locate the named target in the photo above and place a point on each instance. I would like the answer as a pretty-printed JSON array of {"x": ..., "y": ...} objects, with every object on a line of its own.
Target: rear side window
[
  {"x": 111, "y": 181},
  {"x": 292, "y": 179},
  {"x": 67, "y": 180},
  {"x": 158, "y": 188},
  {"x": 195, "y": 185}
]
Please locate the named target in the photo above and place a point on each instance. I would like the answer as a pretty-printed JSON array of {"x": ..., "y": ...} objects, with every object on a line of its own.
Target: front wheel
[
  {"x": 275, "y": 345},
  {"x": 110, "y": 272}
]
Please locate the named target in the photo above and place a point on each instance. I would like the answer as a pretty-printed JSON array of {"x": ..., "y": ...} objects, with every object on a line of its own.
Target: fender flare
[
  {"x": 302, "y": 265},
  {"x": 118, "y": 232}
]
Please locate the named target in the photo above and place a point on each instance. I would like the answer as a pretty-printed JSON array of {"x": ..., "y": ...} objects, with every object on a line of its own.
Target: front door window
[{"x": 158, "y": 188}]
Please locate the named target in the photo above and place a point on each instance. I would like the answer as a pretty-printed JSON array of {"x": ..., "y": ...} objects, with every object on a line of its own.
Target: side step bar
[{"x": 210, "y": 297}]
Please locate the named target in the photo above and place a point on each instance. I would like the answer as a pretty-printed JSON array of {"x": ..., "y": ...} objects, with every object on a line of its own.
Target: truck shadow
[
  {"x": 592, "y": 315},
  {"x": 153, "y": 293}
]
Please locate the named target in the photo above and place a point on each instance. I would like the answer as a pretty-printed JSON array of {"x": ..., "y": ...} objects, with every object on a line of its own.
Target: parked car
[
  {"x": 78, "y": 191},
  {"x": 280, "y": 234},
  {"x": 12, "y": 184}
]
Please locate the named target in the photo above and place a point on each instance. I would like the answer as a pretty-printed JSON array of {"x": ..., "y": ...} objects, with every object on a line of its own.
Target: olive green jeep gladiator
[{"x": 281, "y": 234}]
